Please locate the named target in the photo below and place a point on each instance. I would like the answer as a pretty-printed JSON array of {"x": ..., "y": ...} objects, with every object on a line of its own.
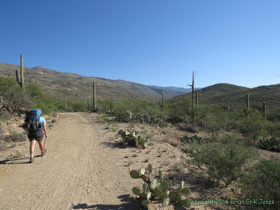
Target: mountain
[
  {"x": 78, "y": 87},
  {"x": 181, "y": 89},
  {"x": 224, "y": 93}
]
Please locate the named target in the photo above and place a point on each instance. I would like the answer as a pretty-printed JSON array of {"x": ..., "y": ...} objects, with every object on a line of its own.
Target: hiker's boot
[
  {"x": 31, "y": 160},
  {"x": 43, "y": 152}
]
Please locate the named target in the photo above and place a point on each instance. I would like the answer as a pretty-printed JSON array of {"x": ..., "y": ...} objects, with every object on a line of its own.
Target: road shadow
[
  {"x": 13, "y": 161},
  {"x": 128, "y": 203}
]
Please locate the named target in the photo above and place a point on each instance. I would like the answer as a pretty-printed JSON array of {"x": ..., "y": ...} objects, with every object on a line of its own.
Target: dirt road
[{"x": 79, "y": 171}]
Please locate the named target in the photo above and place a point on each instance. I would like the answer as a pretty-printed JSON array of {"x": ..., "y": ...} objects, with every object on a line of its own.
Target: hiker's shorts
[{"x": 37, "y": 135}]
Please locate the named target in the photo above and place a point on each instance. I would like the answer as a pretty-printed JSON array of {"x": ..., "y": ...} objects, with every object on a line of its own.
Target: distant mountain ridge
[
  {"x": 70, "y": 85},
  {"x": 181, "y": 89},
  {"x": 234, "y": 95}
]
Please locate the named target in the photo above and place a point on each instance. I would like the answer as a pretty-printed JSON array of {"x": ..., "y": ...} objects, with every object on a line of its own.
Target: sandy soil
[{"x": 86, "y": 167}]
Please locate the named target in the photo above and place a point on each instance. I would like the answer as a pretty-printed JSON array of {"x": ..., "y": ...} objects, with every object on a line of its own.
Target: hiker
[{"x": 35, "y": 133}]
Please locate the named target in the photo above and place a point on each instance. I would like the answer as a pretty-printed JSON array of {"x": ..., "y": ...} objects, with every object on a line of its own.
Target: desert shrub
[
  {"x": 254, "y": 125},
  {"x": 273, "y": 114},
  {"x": 224, "y": 162},
  {"x": 15, "y": 136},
  {"x": 45, "y": 104},
  {"x": 18, "y": 154},
  {"x": 272, "y": 144},
  {"x": 214, "y": 123},
  {"x": 193, "y": 139},
  {"x": 78, "y": 106},
  {"x": 34, "y": 90},
  {"x": 263, "y": 184},
  {"x": 191, "y": 128},
  {"x": 203, "y": 110},
  {"x": 13, "y": 96},
  {"x": 275, "y": 131},
  {"x": 179, "y": 112},
  {"x": 104, "y": 105}
]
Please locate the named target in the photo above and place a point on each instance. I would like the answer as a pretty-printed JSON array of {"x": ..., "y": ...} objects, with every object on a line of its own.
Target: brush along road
[{"x": 81, "y": 170}]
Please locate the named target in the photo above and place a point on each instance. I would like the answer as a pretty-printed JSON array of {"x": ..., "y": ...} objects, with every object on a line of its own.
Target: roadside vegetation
[{"x": 229, "y": 154}]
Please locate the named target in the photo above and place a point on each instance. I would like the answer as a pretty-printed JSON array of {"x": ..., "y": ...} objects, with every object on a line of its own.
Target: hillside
[
  {"x": 235, "y": 95},
  {"x": 77, "y": 87},
  {"x": 184, "y": 90}
]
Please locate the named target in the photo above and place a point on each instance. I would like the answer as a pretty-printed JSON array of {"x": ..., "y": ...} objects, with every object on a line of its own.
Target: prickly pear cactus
[
  {"x": 133, "y": 138},
  {"x": 157, "y": 188}
]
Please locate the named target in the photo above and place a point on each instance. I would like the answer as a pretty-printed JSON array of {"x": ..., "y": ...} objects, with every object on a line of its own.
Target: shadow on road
[
  {"x": 13, "y": 161},
  {"x": 130, "y": 203}
]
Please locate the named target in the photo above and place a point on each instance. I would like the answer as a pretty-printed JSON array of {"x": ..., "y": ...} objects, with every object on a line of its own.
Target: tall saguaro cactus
[
  {"x": 162, "y": 104},
  {"x": 94, "y": 97},
  {"x": 193, "y": 109},
  {"x": 246, "y": 109},
  {"x": 21, "y": 80}
]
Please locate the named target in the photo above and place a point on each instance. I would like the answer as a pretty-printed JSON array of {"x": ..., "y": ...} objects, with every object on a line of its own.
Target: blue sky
[{"x": 152, "y": 42}]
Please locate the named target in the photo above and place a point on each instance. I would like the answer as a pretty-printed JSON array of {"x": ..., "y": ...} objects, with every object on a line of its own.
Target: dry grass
[
  {"x": 190, "y": 128},
  {"x": 174, "y": 142}
]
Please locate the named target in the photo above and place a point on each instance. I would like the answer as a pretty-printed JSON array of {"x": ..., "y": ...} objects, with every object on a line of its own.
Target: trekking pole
[{"x": 44, "y": 148}]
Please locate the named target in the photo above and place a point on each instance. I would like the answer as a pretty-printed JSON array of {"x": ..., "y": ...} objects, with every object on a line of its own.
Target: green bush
[
  {"x": 273, "y": 113},
  {"x": 34, "y": 90},
  {"x": 13, "y": 96},
  {"x": 105, "y": 105},
  {"x": 45, "y": 104},
  {"x": 224, "y": 160},
  {"x": 79, "y": 106},
  {"x": 253, "y": 126},
  {"x": 263, "y": 184},
  {"x": 179, "y": 112},
  {"x": 272, "y": 144},
  {"x": 213, "y": 123}
]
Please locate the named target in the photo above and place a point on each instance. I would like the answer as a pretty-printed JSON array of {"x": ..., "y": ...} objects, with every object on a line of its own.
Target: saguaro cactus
[
  {"x": 246, "y": 109},
  {"x": 196, "y": 98},
  {"x": 21, "y": 80},
  {"x": 94, "y": 97},
  {"x": 162, "y": 104},
  {"x": 264, "y": 109},
  {"x": 193, "y": 107}
]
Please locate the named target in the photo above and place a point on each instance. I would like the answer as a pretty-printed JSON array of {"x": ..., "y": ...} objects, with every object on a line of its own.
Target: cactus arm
[{"x": 21, "y": 79}]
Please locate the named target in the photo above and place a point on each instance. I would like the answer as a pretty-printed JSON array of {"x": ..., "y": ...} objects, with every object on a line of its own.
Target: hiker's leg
[
  {"x": 32, "y": 147},
  {"x": 41, "y": 145}
]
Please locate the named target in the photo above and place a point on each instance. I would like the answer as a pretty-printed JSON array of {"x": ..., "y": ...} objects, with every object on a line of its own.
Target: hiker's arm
[{"x": 45, "y": 128}]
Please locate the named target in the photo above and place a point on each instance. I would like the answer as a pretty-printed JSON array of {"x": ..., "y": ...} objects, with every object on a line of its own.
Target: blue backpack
[{"x": 32, "y": 121}]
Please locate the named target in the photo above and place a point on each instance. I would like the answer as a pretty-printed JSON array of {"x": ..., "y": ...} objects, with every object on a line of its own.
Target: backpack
[{"x": 32, "y": 121}]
